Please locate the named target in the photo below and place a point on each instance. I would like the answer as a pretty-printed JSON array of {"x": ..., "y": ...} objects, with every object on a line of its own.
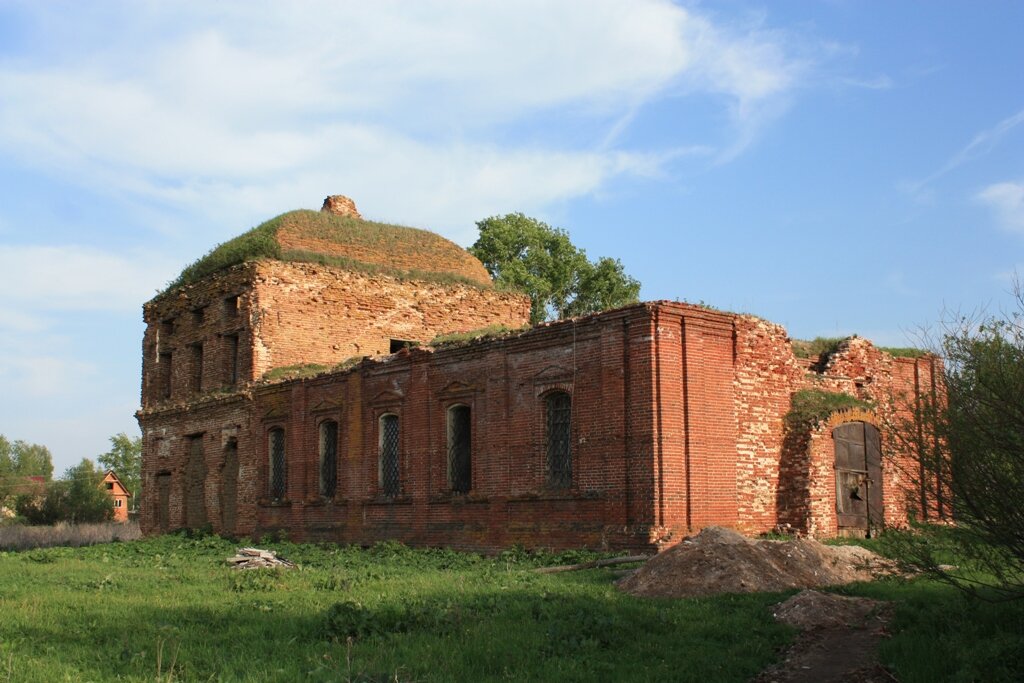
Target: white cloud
[
  {"x": 37, "y": 278},
  {"x": 233, "y": 106},
  {"x": 1006, "y": 200}
]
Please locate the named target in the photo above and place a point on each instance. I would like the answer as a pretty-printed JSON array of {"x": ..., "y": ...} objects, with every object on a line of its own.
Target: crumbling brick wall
[{"x": 677, "y": 423}]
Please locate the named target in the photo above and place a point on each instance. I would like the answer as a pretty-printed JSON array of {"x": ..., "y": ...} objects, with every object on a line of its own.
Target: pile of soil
[
  {"x": 720, "y": 560},
  {"x": 810, "y": 609}
]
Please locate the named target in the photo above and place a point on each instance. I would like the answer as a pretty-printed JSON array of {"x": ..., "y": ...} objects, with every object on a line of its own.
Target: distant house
[{"x": 120, "y": 495}]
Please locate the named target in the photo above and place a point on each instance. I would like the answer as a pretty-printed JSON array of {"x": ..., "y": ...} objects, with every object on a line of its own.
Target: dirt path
[{"x": 838, "y": 641}]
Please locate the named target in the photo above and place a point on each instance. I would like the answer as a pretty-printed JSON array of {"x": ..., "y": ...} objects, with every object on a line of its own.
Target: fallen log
[{"x": 593, "y": 564}]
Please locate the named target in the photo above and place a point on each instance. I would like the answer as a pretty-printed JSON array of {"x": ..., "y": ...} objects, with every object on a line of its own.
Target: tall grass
[{"x": 25, "y": 537}]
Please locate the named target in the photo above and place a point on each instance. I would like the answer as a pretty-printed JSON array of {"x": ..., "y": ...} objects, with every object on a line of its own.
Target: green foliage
[
  {"x": 383, "y": 238},
  {"x": 106, "y": 612},
  {"x": 473, "y": 335},
  {"x": 903, "y": 351},
  {"x": 18, "y": 461},
  {"x": 811, "y": 406},
  {"x": 820, "y": 347},
  {"x": 125, "y": 459},
  {"x": 77, "y": 497},
  {"x": 525, "y": 254},
  {"x": 100, "y": 613},
  {"x": 970, "y": 452},
  {"x": 297, "y": 371},
  {"x": 260, "y": 242}
]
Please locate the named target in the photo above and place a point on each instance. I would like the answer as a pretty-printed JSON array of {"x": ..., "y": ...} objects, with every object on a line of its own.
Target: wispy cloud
[
  {"x": 250, "y": 104},
  {"x": 1006, "y": 200},
  {"x": 980, "y": 144}
]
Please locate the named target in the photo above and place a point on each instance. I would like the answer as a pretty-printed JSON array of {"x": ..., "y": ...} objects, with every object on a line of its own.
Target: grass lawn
[
  {"x": 170, "y": 609},
  {"x": 170, "y": 606}
]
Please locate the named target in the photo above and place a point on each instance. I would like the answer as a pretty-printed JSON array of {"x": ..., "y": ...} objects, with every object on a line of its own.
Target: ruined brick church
[{"x": 305, "y": 377}]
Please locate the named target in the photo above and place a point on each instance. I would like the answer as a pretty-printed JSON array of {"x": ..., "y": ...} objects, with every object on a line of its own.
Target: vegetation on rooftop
[
  {"x": 819, "y": 347},
  {"x": 264, "y": 241},
  {"x": 489, "y": 332},
  {"x": 811, "y": 406},
  {"x": 307, "y": 370},
  {"x": 903, "y": 351}
]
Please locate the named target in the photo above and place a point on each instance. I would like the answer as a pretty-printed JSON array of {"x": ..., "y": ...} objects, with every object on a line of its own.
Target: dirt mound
[
  {"x": 813, "y": 609},
  {"x": 720, "y": 560}
]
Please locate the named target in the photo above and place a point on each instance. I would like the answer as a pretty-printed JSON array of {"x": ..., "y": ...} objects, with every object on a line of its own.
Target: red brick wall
[
  {"x": 677, "y": 423},
  {"x": 504, "y": 382},
  {"x": 307, "y": 313}
]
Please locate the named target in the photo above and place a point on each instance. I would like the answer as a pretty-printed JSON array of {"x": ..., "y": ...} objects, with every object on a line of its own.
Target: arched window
[
  {"x": 388, "y": 465},
  {"x": 328, "y": 458},
  {"x": 278, "y": 467},
  {"x": 558, "y": 411},
  {"x": 460, "y": 474}
]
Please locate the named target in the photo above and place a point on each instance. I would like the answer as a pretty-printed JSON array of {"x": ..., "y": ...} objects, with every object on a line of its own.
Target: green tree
[
  {"x": 970, "y": 451},
  {"x": 125, "y": 459},
  {"x": 79, "y": 496},
  {"x": 525, "y": 254},
  {"x": 19, "y": 460}
]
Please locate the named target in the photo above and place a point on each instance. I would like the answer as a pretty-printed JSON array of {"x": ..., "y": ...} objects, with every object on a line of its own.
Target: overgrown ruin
[{"x": 321, "y": 375}]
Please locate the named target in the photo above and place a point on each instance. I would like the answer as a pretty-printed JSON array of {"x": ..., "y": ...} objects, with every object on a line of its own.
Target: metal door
[{"x": 858, "y": 466}]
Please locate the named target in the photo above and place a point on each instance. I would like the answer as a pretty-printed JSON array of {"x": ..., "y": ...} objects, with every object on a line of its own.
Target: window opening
[
  {"x": 231, "y": 359},
  {"x": 198, "y": 315},
  {"x": 559, "y": 455},
  {"x": 167, "y": 327},
  {"x": 389, "y": 465},
  {"x": 328, "y": 458},
  {"x": 278, "y": 471},
  {"x": 197, "y": 367},
  {"x": 460, "y": 478},
  {"x": 231, "y": 306},
  {"x": 166, "y": 376},
  {"x": 399, "y": 344}
]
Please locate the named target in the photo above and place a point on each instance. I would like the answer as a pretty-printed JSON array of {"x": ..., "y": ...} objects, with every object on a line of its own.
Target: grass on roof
[
  {"x": 262, "y": 242},
  {"x": 903, "y": 351},
  {"x": 489, "y": 332},
  {"x": 811, "y": 406},
  {"x": 818, "y": 347}
]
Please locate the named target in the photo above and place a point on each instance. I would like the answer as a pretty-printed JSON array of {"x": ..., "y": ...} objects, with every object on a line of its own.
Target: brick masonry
[{"x": 677, "y": 417}]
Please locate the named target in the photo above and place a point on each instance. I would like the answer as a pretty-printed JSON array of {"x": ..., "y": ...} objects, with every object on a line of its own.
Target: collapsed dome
[{"x": 338, "y": 236}]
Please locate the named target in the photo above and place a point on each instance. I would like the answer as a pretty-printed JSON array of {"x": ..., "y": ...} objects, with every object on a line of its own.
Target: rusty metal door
[
  {"x": 858, "y": 468},
  {"x": 163, "y": 508}
]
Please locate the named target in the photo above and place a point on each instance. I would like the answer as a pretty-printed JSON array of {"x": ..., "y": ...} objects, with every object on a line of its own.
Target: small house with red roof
[{"x": 119, "y": 493}]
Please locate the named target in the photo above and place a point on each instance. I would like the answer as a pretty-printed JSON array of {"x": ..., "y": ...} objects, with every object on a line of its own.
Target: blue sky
[{"x": 836, "y": 166}]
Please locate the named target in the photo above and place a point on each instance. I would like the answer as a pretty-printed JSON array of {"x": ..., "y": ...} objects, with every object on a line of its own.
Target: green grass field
[{"x": 170, "y": 609}]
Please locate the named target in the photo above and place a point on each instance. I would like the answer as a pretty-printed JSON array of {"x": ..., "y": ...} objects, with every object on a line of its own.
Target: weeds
[{"x": 26, "y": 537}]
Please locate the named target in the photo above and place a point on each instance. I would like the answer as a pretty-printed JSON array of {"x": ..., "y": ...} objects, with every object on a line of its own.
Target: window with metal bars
[
  {"x": 328, "y": 458},
  {"x": 460, "y": 474},
  {"x": 278, "y": 467},
  {"x": 558, "y": 409},
  {"x": 390, "y": 482}
]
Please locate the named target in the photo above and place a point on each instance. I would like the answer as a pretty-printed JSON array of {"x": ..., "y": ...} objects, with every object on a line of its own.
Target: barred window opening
[
  {"x": 559, "y": 455},
  {"x": 460, "y": 475},
  {"x": 278, "y": 469},
  {"x": 390, "y": 482},
  {"x": 328, "y": 458}
]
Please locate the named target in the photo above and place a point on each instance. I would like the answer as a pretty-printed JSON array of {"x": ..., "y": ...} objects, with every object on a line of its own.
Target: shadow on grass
[{"x": 564, "y": 628}]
